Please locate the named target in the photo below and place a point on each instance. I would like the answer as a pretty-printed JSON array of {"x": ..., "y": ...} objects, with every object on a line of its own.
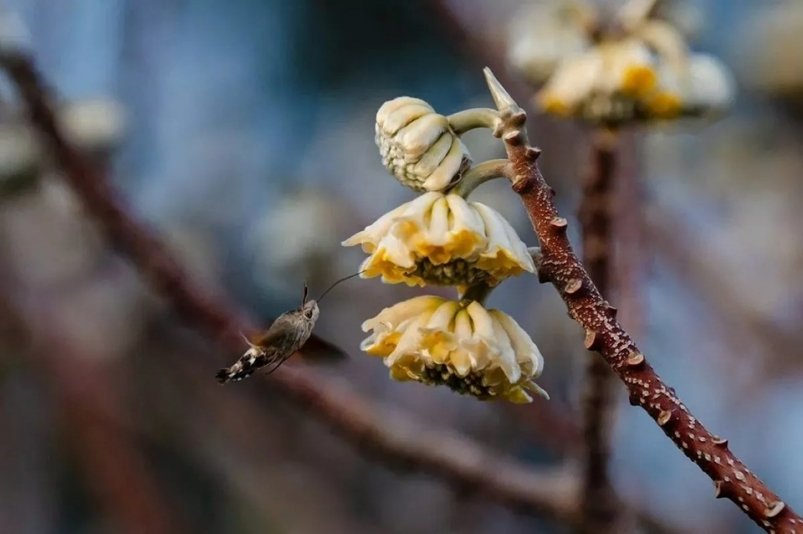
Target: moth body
[{"x": 288, "y": 333}]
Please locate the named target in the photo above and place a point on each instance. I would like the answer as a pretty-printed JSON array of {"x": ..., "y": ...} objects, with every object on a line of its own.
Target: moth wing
[
  {"x": 270, "y": 336},
  {"x": 318, "y": 349}
]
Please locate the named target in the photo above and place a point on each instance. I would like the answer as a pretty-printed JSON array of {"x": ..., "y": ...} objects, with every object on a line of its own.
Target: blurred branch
[
  {"x": 551, "y": 423},
  {"x": 629, "y": 228},
  {"x": 436, "y": 452},
  {"x": 395, "y": 439},
  {"x": 559, "y": 265},
  {"x": 116, "y": 471},
  {"x": 557, "y": 486},
  {"x": 86, "y": 394},
  {"x": 598, "y": 499},
  {"x": 241, "y": 452},
  {"x": 211, "y": 314}
]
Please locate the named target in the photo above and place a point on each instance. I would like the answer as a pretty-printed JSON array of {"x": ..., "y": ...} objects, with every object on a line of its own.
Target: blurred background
[{"x": 242, "y": 132}]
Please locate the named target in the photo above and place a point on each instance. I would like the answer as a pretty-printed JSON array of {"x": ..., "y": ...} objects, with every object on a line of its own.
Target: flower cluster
[
  {"x": 441, "y": 238},
  {"x": 635, "y": 68},
  {"x": 471, "y": 349}
]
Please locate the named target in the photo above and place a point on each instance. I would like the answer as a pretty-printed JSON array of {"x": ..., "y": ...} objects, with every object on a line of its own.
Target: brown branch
[
  {"x": 598, "y": 501},
  {"x": 94, "y": 423},
  {"x": 559, "y": 265},
  {"x": 451, "y": 457},
  {"x": 116, "y": 471},
  {"x": 630, "y": 242},
  {"x": 468, "y": 466},
  {"x": 400, "y": 441},
  {"x": 211, "y": 314}
]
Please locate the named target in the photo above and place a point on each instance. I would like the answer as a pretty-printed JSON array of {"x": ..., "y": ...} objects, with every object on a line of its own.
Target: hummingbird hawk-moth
[{"x": 290, "y": 332}]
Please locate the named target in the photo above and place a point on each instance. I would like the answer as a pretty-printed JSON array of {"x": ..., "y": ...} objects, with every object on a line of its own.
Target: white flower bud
[
  {"x": 711, "y": 86},
  {"x": 418, "y": 146},
  {"x": 96, "y": 125},
  {"x": 545, "y": 34}
]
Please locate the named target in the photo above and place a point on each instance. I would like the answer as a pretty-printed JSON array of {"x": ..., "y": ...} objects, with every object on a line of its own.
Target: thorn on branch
[
  {"x": 559, "y": 222},
  {"x": 635, "y": 360},
  {"x": 664, "y": 417},
  {"x": 591, "y": 342},
  {"x": 573, "y": 286},
  {"x": 532, "y": 153},
  {"x": 502, "y": 99},
  {"x": 518, "y": 118},
  {"x": 775, "y": 509},
  {"x": 513, "y": 138}
]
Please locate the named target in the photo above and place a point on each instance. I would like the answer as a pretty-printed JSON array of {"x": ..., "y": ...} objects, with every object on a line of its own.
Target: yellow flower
[
  {"x": 462, "y": 345},
  {"x": 629, "y": 67},
  {"x": 418, "y": 146},
  {"x": 610, "y": 82},
  {"x": 572, "y": 84},
  {"x": 442, "y": 239},
  {"x": 666, "y": 105},
  {"x": 634, "y": 68},
  {"x": 637, "y": 79},
  {"x": 629, "y": 80}
]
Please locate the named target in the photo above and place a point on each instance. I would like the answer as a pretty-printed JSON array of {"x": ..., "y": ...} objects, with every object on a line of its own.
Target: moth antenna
[
  {"x": 331, "y": 287},
  {"x": 304, "y": 296}
]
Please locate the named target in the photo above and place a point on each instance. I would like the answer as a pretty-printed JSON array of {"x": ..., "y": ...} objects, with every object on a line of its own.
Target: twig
[
  {"x": 114, "y": 468},
  {"x": 211, "y": 314},
  {"x": 437, "y": 451},
  {"x": 560, "y": 266},
  {"x": 456, "y": 459},
  {"x": 598, "y": 501}
]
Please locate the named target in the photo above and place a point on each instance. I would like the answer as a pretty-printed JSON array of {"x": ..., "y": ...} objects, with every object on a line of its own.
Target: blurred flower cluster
[
  {"x": 440, "y": 238},
  {"x": 631, "y": 67},
  {"x": 772, "y": 63},
  {"x": 95, "y": 125}
]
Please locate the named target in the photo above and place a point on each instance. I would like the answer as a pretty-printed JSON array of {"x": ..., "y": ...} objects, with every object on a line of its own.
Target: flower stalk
[
  {"x": 481, "y": 173},
  {"x": 470, "y": 119}
]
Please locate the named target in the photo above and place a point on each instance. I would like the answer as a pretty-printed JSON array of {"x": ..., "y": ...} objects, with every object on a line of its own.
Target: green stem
[
  {"x": 477, "y": 292},
  {"x": 469, "y": 119},
  {"x": 479, "y": 174}
]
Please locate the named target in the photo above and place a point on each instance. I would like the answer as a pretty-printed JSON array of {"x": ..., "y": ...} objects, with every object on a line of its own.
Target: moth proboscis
[{"x": 290, "y": 332}]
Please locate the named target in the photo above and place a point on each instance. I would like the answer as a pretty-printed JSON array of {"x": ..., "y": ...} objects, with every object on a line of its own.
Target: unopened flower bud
[
  {"x": 418, "y": 146},
  {"x": 711, "y": 86}
]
